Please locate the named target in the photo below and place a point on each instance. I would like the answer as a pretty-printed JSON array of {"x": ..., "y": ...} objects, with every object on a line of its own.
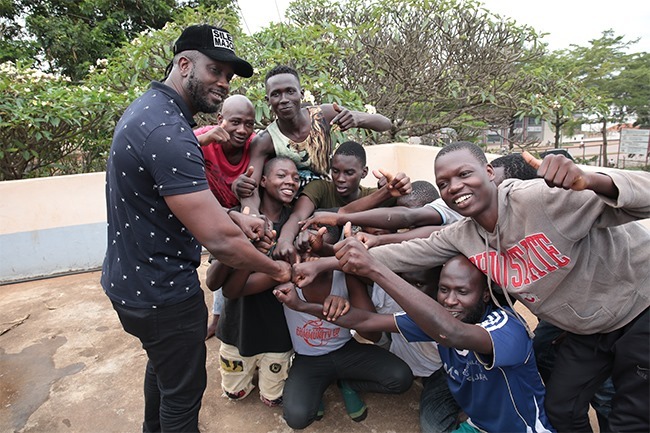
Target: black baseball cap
[{"x": 215, "y": 43}]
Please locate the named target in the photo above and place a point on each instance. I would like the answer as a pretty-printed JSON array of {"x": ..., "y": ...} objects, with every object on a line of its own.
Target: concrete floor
[{"x": 66, "y": 365}]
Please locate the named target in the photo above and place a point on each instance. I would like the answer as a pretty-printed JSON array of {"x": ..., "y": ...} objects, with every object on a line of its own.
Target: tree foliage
[
  {"x": 428, "y": 64},
  {"x": 44, "y": 119},
  {"x": 558, "y": 95},
  {"x": 618, "y": 77},
  {"x": 49, "y": 124},
  {"x": 67, "y": 36}
]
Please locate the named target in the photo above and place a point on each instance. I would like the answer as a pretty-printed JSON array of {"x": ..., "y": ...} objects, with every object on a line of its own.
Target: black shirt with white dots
[{"x": 151, "y": 258}]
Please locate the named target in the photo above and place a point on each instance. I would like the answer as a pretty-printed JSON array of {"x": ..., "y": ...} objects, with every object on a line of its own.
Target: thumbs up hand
[
  {"x": 345, "y": 118},
  {"x": 353, "y": 256},
  {"x": 558, "y": 171},
  {"x": 245, "y": 185}
]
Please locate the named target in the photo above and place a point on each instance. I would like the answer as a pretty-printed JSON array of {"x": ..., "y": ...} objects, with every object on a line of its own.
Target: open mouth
[
  {"x": 289, "y": 192},
  {"x": 219, "y": 96},
  {"x": 462, "y": 199}
]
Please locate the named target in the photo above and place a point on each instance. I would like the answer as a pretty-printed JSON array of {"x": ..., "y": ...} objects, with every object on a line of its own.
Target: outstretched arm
[
  {"x": 216, "y": 275},
  {"x": 560, "y": 171},
  {"x": 395, "y": 238},
  {"x": 246, "y": 185},
  {"x": 347, "y": 119},
  {"x": 242, "y": 283},
  {"x": 202, "y": 215},
  {"x": 359, "y": 298},
  {"x": 363, "y": 321},
  {"x": 430, "y": 316},
  {"x": 392, "y": 218},
  {"x": 305, "y": 273}
]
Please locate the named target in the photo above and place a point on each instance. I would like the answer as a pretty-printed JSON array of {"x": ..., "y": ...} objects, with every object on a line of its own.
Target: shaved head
[{"x": 237, "y": 104}]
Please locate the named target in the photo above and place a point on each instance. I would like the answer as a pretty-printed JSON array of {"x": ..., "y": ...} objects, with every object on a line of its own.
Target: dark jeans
[
  {"x": 547, "y": 340},
  {"x": 365, "y": 367},
  {"x": 175, "y": 376},
  {"x": 438, "y": 409},
  {"x": 582, "y": 365}
]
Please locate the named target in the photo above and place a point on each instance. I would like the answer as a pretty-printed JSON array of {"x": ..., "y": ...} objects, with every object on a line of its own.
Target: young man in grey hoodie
[{"x": 568, "y": 247}]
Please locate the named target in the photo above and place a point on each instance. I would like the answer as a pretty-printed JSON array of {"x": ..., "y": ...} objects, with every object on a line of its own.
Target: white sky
[{"x": 566, "y": 21}]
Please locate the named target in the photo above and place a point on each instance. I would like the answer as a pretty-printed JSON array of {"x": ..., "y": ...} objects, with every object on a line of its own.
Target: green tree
[
  {"x": 51, "y": 125},
  {"x": 427, "y": 64},
  {"x": 630, "y": 90},
  {"x": 46, "y": 121},
  {"x": 67, "y": 36},
  {"x": 606, "y": 67},
  {"x": 557, "y": 95}
]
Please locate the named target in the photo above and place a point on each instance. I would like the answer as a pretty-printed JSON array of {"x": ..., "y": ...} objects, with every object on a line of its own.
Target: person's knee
[
  {"x": 433, "y": 424},
  {"x": 297, "y": 418},
  {"x": 400, "y": 379}
]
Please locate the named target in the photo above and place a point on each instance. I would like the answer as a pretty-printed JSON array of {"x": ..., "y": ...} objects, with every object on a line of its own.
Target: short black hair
[
  {"x": 422, "y": 192},
  {"x": 463, "y": 145},
  {"x": 281, "y": 69},
  {"x": 271, "y": 162},
  {"x": 352, "y": 148},
  {"x": 562, "y": 152},
  {"x": 515, "y": 167}
]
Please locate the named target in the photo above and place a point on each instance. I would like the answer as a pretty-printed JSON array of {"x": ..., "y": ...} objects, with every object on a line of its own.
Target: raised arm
[
  {"x": 560, "y": 171},
  {"x": 211, "y": 134},
  {"x": 392, "y": 186},
  {"x": 246, "y": 185}
]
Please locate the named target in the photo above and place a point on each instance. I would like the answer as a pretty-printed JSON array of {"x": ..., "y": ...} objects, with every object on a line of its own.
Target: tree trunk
[
  {"x": 557, "y": 125},
  {"x": 603, "y": 161}
]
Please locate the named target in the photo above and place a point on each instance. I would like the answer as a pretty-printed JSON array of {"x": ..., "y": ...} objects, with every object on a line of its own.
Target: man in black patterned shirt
[{"x": 160, "y": 212}]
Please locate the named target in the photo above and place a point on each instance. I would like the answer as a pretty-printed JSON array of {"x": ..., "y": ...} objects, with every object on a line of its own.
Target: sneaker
[{"x": 355, "y": 407}]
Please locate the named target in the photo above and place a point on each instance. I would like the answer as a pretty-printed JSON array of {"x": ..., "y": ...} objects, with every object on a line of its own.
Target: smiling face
[
  {"x": 207, "y": 82},
  {"x": 283, "y": 93},
  {"x": 466, "y": 185},
  {"x": 463, "y": 290},
  {"x": 347, "y": 172},
  {"x": 237, "y": 118},
  {"x": 280, "y": 180}
]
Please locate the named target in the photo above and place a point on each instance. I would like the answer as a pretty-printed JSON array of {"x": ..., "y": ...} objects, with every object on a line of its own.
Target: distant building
[{"x": 526, "y": 130}]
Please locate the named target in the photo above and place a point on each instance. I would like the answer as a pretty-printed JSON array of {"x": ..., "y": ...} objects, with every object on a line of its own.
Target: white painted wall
[
  {"x": 55, "y": 225},
  {"x": 51, "y": 226}
]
